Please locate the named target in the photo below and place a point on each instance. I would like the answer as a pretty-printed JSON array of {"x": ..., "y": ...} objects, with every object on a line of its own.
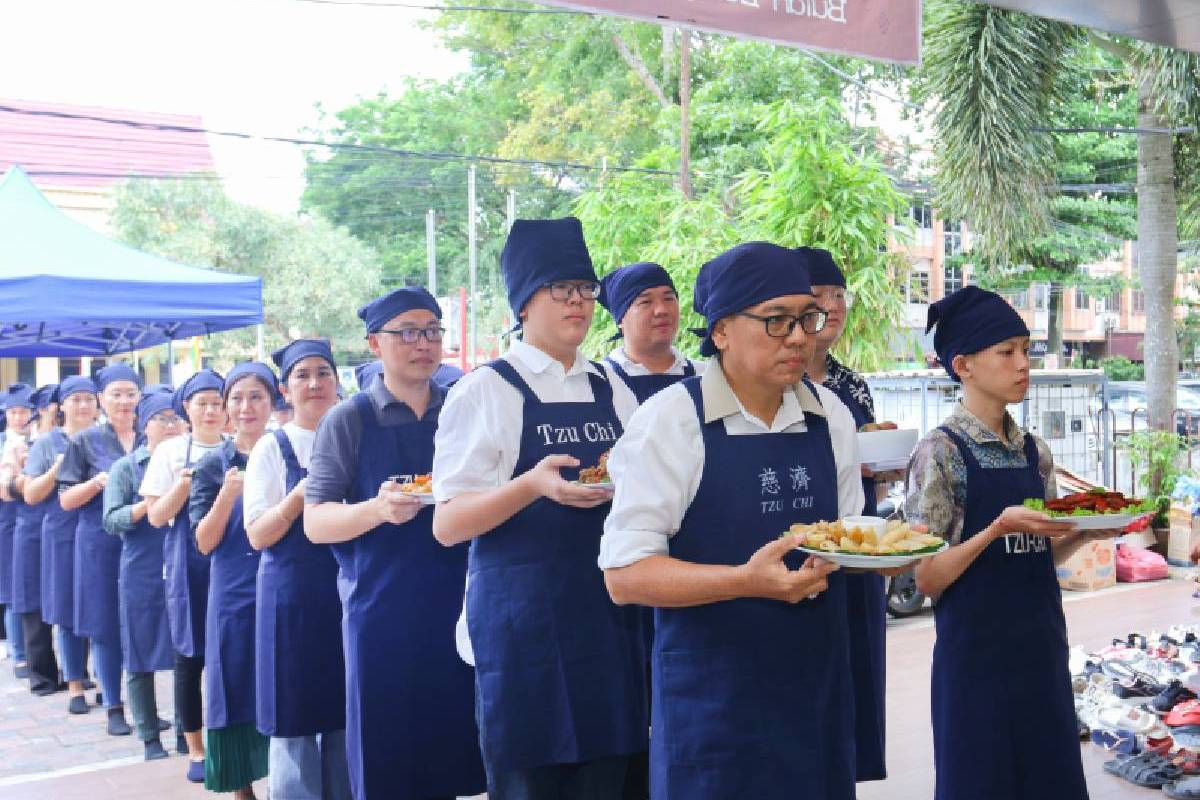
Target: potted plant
[{"x": 1154, "y": 456}]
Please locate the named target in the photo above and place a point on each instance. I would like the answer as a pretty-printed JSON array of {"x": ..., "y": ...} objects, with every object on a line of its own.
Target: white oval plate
[
  {"x": 857, "y": 561},
  {"x": 426, "y": 498},
  {"x": 601, "y": 485},
  {"x": 1098, "y": 522}
]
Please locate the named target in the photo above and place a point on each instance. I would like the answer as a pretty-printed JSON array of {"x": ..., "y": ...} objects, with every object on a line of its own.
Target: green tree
[
  {"x": 315, "y": 276},
  {"x": 996, "y": 77}
]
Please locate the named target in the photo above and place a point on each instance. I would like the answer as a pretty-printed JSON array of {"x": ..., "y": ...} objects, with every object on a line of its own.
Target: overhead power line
[{"x": 427, "y": 7}]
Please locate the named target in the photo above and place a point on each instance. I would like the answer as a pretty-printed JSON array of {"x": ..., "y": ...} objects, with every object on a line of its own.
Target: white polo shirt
[{"x": 658, "y": 463}]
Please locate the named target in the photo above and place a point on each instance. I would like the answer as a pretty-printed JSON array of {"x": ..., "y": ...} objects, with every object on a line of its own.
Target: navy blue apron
[
  {"x": 301, "y": 686},
  {"x": 145, "y": 634},
  {"x": 866, "y": 605},
  {"x": 186, "y": 571},
  {"x": 560, "y": 671},
  {"x": 229, "y": 651},
  {"x": 8, "y": 524},
  {"x": 1001, "y": 626},
  {"x": 58, "y": 539},
  {"x": 752, "y": 697},
  {"x": 27, "y": 555},
  {"x": 97, "y": 552},
  {"x": 645, "y": 386},
  {"x": 404, "y": 666}
]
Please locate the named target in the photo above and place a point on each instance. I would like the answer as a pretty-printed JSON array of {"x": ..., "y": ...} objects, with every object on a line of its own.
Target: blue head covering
[
  {"x": 156, "y": 398},
  {"x": 539, "y": 251},
  {"x": 822, "y": 269},
  {"x": 365, "y": 374},
  {"x": 281, "y": 403},
  {"x": 203, "y": 381},
  {"x": 20, "y": 395},
  {"x": 258, "y": 370},
  {"x": 297, "y": 350},
  {"x": 970, "y": 320},
  {"x": 619, "y": 288},
  {"x": 45, "y": 395},
  {"x": 376, "y": 313},
  {"x": 745, "y": 276},
  {"x": 74, "y": 385},
  {"x": 120, "y": 371}
]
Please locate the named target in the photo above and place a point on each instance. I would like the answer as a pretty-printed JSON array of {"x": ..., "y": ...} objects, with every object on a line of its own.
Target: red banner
[{"x": 885, "y": 30}]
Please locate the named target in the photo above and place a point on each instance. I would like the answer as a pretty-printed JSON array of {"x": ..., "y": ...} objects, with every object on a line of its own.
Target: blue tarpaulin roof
[{"x": 65, "y": 290}]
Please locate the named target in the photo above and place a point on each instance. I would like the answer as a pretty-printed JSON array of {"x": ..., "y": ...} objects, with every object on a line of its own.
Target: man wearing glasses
[
  {"x": 752, "y": 694},
  {"x": 410, "y": 721},
  {"x": 560, "y": 670}
]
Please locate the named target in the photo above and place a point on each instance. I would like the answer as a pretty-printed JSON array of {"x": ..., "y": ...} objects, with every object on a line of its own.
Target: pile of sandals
[{"x": 1139, "y": 699}]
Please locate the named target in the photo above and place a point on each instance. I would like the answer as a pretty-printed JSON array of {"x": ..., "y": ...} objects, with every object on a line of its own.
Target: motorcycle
[{"x": 904, "y": 599}]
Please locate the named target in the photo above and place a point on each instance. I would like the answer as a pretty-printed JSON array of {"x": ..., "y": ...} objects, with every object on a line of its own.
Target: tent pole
[
  {"x": 258, "y": 345},
  {"x": 170, "y": 362},
  {"x": 472, "y": 242},
  {"x": 431, "y": 249}
]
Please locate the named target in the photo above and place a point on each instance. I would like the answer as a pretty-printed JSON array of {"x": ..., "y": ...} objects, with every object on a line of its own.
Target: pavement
[{"x": 46, "y": 754}]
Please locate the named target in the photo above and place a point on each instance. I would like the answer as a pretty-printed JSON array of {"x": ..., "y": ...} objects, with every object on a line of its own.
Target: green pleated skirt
[{"x": 234, "y": 757}]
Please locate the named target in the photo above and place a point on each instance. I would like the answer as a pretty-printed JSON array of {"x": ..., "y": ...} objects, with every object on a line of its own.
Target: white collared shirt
[
  {"x": 266, "y": 471},
  {"x": 479, "y": 430},
  {"x": 635, "y": 369},
  {"x": 657, "y": 464}
]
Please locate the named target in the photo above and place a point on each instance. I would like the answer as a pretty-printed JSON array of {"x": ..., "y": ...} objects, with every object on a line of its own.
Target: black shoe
[
  {"x": 154, "y": 750},
  {"x": 45, "y": 689},
  {"x": 181, "y": 745},
  {"x": 163, "y": 725},
  {"x": 78, "y": 705},
  {"x": 117, "y": 726},
  {"x": 21, "y": 671},
  {"x": 99, "y": 698}
]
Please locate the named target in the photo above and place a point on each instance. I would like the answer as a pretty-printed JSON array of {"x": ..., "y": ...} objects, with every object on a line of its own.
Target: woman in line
[
  {"x": 81, "y": 479},
  {"x": 235, "y": 753},
  {"x": 27, "y": 553},
  {"x": 77, "y": 403},
  {"x": 301, "y": 690},
  {"x": 166, "y": 488},
  {"x": 18, "y": 411},
  {"x": 142, "y": 607},
  {"x": 999, "y": 609}
]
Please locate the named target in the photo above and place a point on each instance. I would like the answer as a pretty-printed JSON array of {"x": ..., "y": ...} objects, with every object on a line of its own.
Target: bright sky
[{"x": 257, "y": 66}]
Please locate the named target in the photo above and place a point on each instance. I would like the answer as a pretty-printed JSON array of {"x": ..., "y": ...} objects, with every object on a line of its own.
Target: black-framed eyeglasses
[
  {"x": 780, "y": 326},
  {"x": 562, "y": 291},
  {"x": 413, "y": 335}
]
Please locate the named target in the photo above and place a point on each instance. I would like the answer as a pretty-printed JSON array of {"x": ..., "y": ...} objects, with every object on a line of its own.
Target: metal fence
[{"x": 1064, "y": 407}]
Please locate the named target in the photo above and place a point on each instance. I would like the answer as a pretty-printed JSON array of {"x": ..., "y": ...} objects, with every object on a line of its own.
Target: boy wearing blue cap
[
  {"x": 397, "y": 669},
  {"x": 142, "y": 603},
  {"x": 560, "y": 672},
  {"x": 644, "y": 304},
  {"x": 752, "y": 694},
  {"x": 999, "y": 609},
  {"x": 18, "y": 413}
]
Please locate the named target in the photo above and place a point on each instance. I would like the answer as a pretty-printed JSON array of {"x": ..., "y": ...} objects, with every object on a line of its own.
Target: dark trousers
[
  {"x": 601, "y": 779},
  {"x": 143, "y": 704},
  {"x": 39, "y": 652},
  {"x": 188, "y": 705}
]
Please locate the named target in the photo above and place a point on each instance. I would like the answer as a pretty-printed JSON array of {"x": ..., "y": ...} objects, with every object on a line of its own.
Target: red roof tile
[{"x": 65, "y": 151}]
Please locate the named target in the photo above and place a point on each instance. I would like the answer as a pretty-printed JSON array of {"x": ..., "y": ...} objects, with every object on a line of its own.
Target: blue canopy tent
[{"x": 67, "y": 291}]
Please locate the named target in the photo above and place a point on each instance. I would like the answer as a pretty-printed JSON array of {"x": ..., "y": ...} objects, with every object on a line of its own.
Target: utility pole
[
  {"x": 431, "y": 250},
  {"x": 685, "y": 111},
  {"x": 512, "y": 208},
  {"x": 472, "y": 243}
]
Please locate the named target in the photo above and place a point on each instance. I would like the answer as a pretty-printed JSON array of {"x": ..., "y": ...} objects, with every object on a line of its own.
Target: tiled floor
[{"x": 46, "y": 755}]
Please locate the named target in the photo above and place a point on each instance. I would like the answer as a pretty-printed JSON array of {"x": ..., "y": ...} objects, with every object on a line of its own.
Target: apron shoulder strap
[
  {"x": 366, "y": 411},
  {"x": 693, "y": 388},
  {"x": 689, "y": 369},
  {"x": 601, "y": 389},
  {"x": 286, "y": 450},
  {"x": 1032, "y": 456},
  {"x": 967, "y": 456},
  {"x": 621, "y": 373},
  {"x": 510, "y": 374}
]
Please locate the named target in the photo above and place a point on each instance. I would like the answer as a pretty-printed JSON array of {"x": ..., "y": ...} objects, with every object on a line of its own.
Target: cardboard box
[
  {"x": 1184, "y": 533},
  {"x": 1092, "y": 567}
]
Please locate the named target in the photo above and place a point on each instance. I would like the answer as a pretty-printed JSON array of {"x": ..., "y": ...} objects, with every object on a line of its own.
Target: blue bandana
[
  {"x": 365, "y": 374},
  {"x": 281, "y": 403},
  {"x": 258, "y": 370},
  {"x": 74, "y": 385},
  {"x": 742, "y": 277},
  {"x": 539, "y": 251},
  {"x": 156, "y": 398},
  {"x": 378, "y": 312},
  {"x": 822, "y": 269},
  {"x": 20, "y": 395},
  {"x": 619, "y": 288},
  {"x": 119, "y": 371},
  {"x": 203, "y": 381},
  {"x": 45, "y": 395},
  {"x": 297, "y": 350},
  {"x": 971, "y": 320}
]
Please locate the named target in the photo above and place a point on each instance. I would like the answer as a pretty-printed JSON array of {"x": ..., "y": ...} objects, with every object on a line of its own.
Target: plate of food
[
  {"x": 596, "y": 476},
  {"x": 867, "y": 542},
  {"x": 420, "y": 487},
  {"x": 1096, "y": 509}
]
